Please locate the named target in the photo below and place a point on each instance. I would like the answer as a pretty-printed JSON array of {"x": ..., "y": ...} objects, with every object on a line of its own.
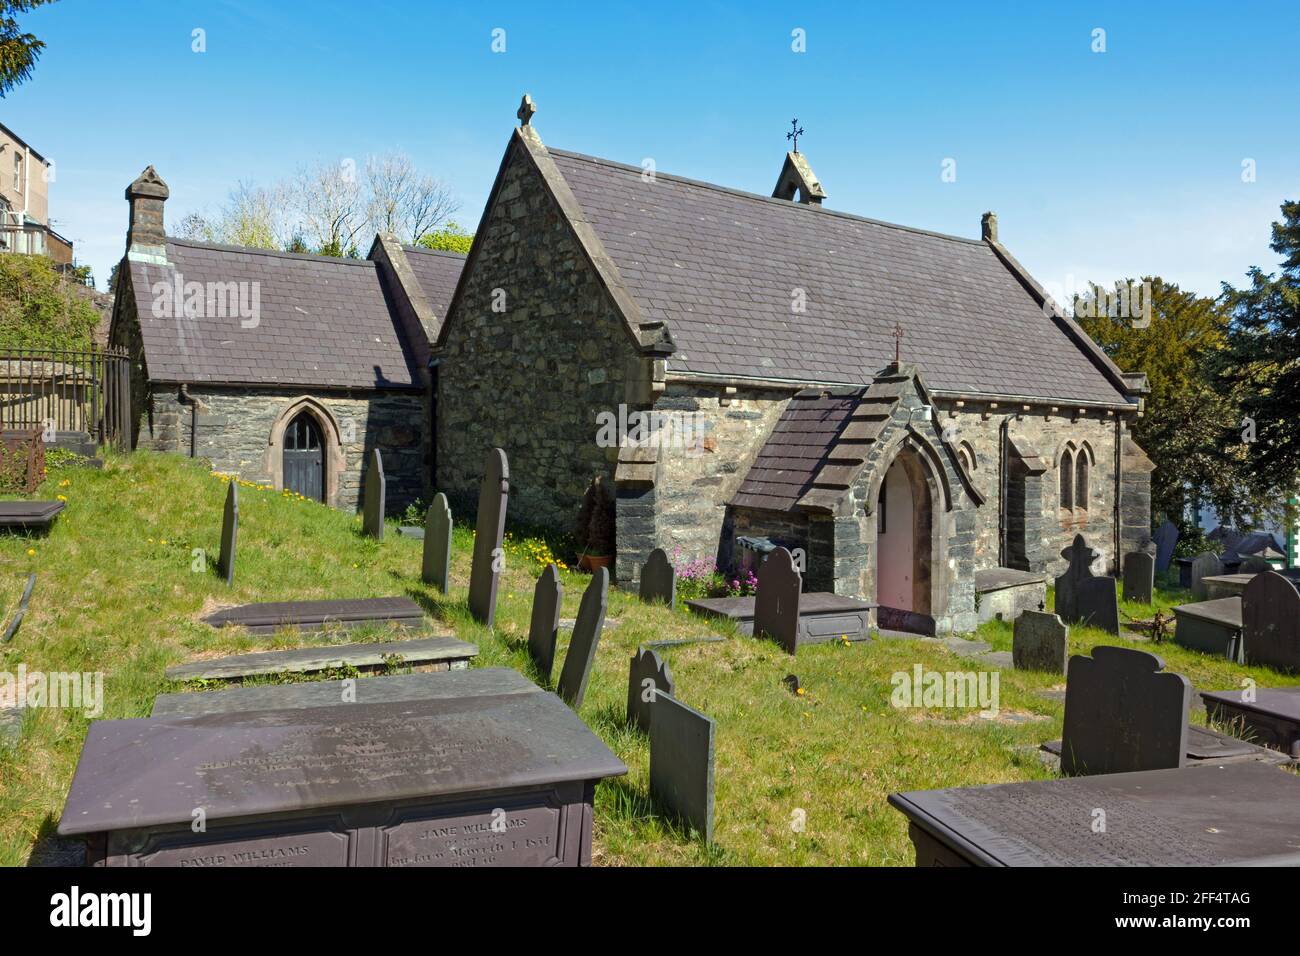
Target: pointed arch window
[
  {"x": 1081, "y": 466},
  {"x": 1066, "y": 471}
]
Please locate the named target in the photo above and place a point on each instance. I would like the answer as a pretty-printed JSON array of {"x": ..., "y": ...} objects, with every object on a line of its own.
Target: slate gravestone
[
  {"x": 1081, "y": 596},
  {"x": 681, "y": 762},
  {"x": 659, "y": 579},
  {"x": 489, "y": 532},
  {"x": 229, "y": 535},
  {"x": 1204, "y": 565},
  {"x": 1270, "y": 622},
  {"x": 647, "y": 679},
  {"x": 1139, "y": 577},
  {"x": 435, "y": 568},
  {"x": 776, "y": 605},
  {"x": 372, "y": 498},
  {"x": 544, "y": 626},
  {"x": 1123, "y": 714},
  {"x": 1039, "y": 642},
  {"x": 1166, "y": 539},
  {"x": 586, "y": 634}
]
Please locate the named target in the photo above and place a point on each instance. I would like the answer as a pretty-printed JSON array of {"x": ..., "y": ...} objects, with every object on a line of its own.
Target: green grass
[{"x": 116, "y": 593}]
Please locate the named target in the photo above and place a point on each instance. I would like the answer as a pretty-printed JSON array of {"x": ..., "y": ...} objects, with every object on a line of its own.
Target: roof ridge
[
  {"x": 434, "y": 252},
  {"x": 783, "y": 203},
  {"x": 279, "y": 254}
]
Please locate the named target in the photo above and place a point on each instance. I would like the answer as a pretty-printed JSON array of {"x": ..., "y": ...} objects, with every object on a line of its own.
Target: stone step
[
  {"x": 441, "y": 653},
  {"x": 271, "y": 616}
]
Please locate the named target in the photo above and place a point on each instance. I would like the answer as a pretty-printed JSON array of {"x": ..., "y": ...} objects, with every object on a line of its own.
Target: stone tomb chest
[
  {"x": 494, "y": 779},
  {"x": 1003, "y": 593},
  {"x": 822, "y": 616}
]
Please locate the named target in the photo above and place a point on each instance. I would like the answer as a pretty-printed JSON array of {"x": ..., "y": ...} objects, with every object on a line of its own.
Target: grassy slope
[{"x": 116, "y": 593}]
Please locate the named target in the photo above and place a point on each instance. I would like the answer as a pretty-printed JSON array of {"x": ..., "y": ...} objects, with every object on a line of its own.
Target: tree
[
  {"x": 402, "y": 200},
  {"x": 330, "y": 206},
  {"x": 252, "y": 216},
  {"x": 18, "y": 51},
  {"x": 1263, "y": 359},
  {"x": 450, "y": 238},
  {"x": 41, "y": 308}
]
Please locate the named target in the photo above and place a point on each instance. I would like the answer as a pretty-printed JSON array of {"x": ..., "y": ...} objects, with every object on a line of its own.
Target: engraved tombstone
[
  {"x": 1122, "y": 713},
  {"x": 544, "y": 626},
  {"x": 586, "y": 634},
  {"x": 1166, "y": 539},
  {"x": 1039, "y": 642},
  {"x": 435, "y": 568},
  {"x": 1204, "y": 565},
  {"x": 1139, "y": 576},
  {"x": 1083, "y": 597},
  {"x": 681, "y": 762},
  {"x": 776, "y": 606},
  {"x": 229, "y": 535},
  {"x": 489, "y": 532},
  {"x": 658, "y": 578},
  {"x": 647, "y": 679},
  {"x": 372, "y": 498},
  {"x": 1270, "y": 622}
]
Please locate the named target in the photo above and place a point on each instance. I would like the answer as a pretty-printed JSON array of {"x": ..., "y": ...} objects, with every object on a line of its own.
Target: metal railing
[{"x": 67, "y": 390}]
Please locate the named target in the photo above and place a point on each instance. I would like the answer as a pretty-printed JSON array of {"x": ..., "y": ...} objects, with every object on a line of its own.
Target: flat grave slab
[
  {"x": 1238, "y": 813},
  {"x": 436, "y": 653},
  {"x": 29, "y": 514},
  {"x": 1207, "y": 745},
  {"x": 271, "y": 616},
  {"x": 11, "y": 725},
  {"x": 1272, "y": 718},
  {"x": 822, "y": 616},
  {"x": 479, "y": 682},
  {"x": 1211, "y": 626},
  {"x": 494, "y": 780}
]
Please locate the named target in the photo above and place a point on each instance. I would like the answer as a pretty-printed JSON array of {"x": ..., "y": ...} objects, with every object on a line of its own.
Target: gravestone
[
  {"x": 776, "y": 605},
  {"x": 372, "y": 498},
  {"x": 681, "y": 762},
  {"x": 1253, "y": 564},
  {"x": 1139, "y": 576},
  {"x": 1039, "y": 642},
  {"x": 586, "y": 634},
  {"x": 1082, "y": 597},
  {"x": 1270, "y": 622},
  {"x": 1204, "y": 565},
  {"x": 1166, "y": 539},
  {"x": 229, "y": 535},
  {"x": 544, "y": 625},
  {"x": 1122, "y": 714},
  {"x": 647, "y": 679},
  {"x": 659, "y": 579},
  {"x": 435, "y": 568},
  {"x": 489, "y": 532}
]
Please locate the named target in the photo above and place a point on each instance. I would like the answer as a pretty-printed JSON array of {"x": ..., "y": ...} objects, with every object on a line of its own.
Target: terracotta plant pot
[{"x": 590, "y": 562}]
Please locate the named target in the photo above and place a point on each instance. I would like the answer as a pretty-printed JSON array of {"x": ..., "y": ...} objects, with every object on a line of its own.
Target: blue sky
[{"x": 1099, "y": 165}]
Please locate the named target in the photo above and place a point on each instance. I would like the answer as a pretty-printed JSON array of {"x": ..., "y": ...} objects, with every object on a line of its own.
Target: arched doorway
[
  {"x": 904, "y": 522},
  {"x": 304, "y": 457}
]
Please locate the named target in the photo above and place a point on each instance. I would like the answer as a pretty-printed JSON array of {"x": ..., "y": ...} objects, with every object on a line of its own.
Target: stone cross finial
[
  {"x": 795, "y": 132},
  {"x": 526, "y": 110},
  {"x": 989, "y": 227}
]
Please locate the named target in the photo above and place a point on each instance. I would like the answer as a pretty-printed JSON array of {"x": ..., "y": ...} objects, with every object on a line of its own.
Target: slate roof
[
  {"x": 322, "y": 321},
  {"x": 438, "y": 272},
  {"x": 719, "y": 267}
]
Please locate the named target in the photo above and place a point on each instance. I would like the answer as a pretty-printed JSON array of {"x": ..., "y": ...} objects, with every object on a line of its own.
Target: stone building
[
  {"x": 281, "y": 368},
  {"x": 910, "y": 409}
]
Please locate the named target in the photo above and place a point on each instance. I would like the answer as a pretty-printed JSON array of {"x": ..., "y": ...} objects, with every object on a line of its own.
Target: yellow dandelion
[{"x": 31, "y": 552}]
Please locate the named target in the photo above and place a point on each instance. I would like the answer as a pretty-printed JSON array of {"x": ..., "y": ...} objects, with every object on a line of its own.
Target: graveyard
[{"x": 801, "y": 777}]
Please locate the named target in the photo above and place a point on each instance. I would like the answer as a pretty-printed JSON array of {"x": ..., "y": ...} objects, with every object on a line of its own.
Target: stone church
[
  {"x": 910, "y": 409},
  {"x": 282, "y": 368}
]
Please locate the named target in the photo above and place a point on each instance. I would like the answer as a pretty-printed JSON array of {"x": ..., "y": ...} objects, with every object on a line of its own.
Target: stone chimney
[
  {"x": 798, "y": 179},
  {"x": 989, "y": 227},
  {"x": 146, "y": 237}
]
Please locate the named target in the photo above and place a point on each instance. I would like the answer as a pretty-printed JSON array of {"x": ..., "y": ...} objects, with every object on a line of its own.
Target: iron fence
[{"x": 67, "y": 390}]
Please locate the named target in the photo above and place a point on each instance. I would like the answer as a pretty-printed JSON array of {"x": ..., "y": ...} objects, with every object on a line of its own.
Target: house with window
[{"x": 25, "y": 177}]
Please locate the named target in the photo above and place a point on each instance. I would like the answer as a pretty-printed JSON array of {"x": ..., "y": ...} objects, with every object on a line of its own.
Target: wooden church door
[{"x": 304, "y": 458}]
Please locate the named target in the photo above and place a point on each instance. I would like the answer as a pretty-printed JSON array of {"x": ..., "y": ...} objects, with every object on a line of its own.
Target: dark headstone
[
  {"x": 435, "y": 568},
  {"x": 444, "y": 652},
  {"x": 229, "y": 534},
  {"x": 1166, "y": 539},
  {"x": 372, "y": 498},
  {"x": 1139, "y": 577},
  {"x": 1270, "y": 622},
  {"x": 776, "y": 605},
  {"x": 586, "y": 634},
  {"x": 659, "y": 579},
  {"x": 1082, "y": 597},
  {"x": 681, "y": 762},
  {"x": 1123, "y": 714},
  {"x": 647, "y": 678},
  {"x": 501, "y": 779},
  {"x": 489, "y": 533},
  {"x": 1039, "y": 642},
  {"x": 1204, "y": 565},
  {"x": 544, "y": 626}
]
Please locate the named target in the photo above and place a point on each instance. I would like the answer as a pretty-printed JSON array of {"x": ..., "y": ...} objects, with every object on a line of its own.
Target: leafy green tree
[
  {"x": 18, "y": 51},
  {"x": 450, "y": 238},
  {"x": 41, "y": 308}
]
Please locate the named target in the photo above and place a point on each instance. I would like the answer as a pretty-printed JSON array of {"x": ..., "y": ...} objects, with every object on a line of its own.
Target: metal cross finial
[
  {"x": 526, "y": 110},
  {"x": 898, "y": 344},
  {"x": 795, "y": 132}
]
